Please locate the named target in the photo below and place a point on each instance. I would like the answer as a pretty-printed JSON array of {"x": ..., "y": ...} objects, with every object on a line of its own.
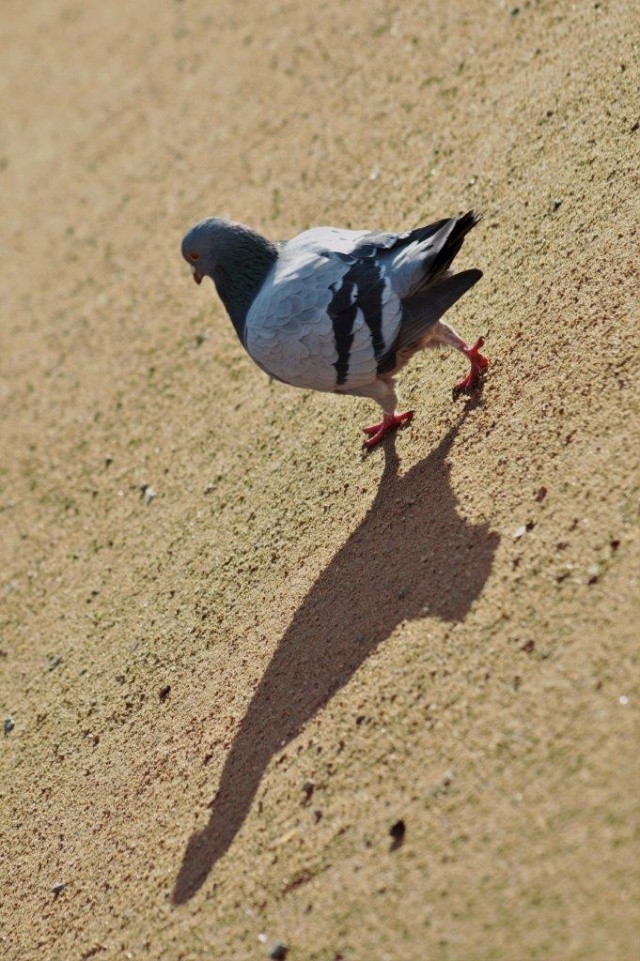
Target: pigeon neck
[{"x": 239, "y": 275}]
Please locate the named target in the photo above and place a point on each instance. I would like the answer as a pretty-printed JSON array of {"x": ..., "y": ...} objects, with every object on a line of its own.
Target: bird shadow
[{"x": 412, "y": 556}]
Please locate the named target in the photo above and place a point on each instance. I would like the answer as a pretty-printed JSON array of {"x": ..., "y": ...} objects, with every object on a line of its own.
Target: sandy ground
[{"x": 234, "y": 650}]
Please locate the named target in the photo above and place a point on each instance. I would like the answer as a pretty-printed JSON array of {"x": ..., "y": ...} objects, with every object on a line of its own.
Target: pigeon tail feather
[
  {"x": 425, "y": 309},
  {"x": 448, "y": 247}
]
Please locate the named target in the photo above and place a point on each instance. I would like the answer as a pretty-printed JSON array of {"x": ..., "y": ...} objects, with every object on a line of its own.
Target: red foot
[
  {"x": 479, "y": 364},
  {"x": 378, "y": 432}
]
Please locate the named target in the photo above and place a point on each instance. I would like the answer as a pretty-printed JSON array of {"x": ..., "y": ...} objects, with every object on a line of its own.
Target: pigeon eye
[{"x": 194, "y": 256}]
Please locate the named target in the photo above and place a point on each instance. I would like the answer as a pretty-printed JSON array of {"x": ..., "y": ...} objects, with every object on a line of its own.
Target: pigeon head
[
  {"x": 203, "y": 245},
  {"x": 237, "y": 259}
]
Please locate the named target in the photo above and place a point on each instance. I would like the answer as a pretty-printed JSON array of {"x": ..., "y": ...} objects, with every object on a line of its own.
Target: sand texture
[{"x": 234, "y": 651}]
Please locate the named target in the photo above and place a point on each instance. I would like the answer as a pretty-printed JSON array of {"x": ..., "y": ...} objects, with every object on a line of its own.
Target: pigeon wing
[{"x": 326, "y": 312}]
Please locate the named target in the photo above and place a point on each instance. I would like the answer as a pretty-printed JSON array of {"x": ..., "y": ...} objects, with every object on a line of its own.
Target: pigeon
[{"x": 340, "y": 310}]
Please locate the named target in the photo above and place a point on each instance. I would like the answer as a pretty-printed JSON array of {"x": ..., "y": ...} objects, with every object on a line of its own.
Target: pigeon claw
[
  {"x": 389, "y": 423},
  {"x": 479, "y": 364}
]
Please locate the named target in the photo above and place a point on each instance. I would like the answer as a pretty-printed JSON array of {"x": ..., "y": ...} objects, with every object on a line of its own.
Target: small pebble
[
  {"x": 165, "y": 692},
  {"x": 58, "y": 888},
  {"x": 9, "y": 724},
  {"x": 555, "y": 205},
  {"x": 147, "y": 493},
  {"x": 397, "y": 832},
  {"x": 278, "y": 951}
]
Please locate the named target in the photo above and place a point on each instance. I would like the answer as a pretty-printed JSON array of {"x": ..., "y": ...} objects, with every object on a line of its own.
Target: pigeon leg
[
  {"x": 390, "y": 422},
  {"x": 479, "y": 363},
  {"x": 381, "y": 390}
]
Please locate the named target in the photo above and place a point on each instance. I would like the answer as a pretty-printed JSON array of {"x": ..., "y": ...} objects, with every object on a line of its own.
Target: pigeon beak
[{"x": 196, "y": 276}]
